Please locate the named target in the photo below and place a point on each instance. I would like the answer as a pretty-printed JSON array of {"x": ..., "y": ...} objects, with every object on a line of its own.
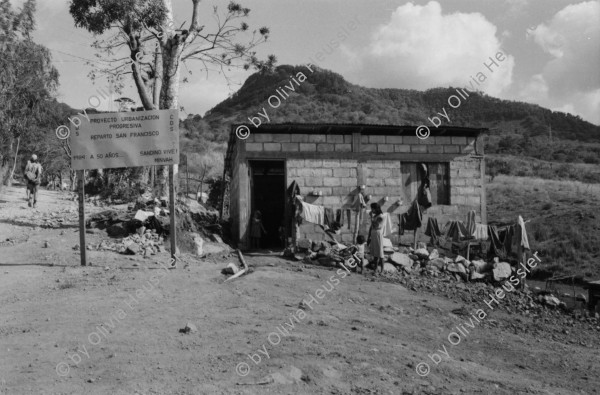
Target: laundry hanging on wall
[
  {"x": 313, "y": 213},
  {"x": 412, "y": 219},
  {"x": 424, "y": 194},
  {"x": 480, "y": 232},
  {"x": 387, "y": 226}
]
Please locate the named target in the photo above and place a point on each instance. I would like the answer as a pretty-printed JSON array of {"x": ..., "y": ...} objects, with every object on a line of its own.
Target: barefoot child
[
  {"x": 360, "y": 253},
  {"x": 256, "y": 230}
]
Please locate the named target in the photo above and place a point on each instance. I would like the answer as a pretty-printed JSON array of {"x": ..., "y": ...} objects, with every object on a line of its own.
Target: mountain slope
[
  {"x": 336, "y": 100},
  {"x": 516, "y": 128}
]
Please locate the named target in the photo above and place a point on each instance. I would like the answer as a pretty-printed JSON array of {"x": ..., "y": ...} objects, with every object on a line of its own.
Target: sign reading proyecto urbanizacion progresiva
[{"x": 126, "y": 139}]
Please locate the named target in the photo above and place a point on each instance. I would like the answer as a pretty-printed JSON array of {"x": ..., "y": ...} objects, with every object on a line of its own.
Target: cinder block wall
[
  {"x": 311, "y": 143},
  {"x": 339, "y": 180},
  {"x": 362, "y": 161}
]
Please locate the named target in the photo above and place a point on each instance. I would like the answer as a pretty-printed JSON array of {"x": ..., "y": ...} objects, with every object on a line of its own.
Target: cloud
[
  {"x": 570, "y": 79},
  {"x": 536, "y": 89},
  {"x": 421, "y": 48}
]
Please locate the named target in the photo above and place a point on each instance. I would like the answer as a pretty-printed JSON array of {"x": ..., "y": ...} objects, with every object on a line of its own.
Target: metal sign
[{"x": 126, "y": 139}]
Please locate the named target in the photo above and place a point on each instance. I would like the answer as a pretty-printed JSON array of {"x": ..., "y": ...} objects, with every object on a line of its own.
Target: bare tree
[{"x": 148, "y": 26}]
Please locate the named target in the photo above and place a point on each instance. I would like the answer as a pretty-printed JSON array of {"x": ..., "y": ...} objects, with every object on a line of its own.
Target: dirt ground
[{"x": 114, "y": 327}]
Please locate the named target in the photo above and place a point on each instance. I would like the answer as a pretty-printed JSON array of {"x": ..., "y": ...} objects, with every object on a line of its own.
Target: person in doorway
[
  {"x": 282, "y": 236},
  {"x": 257, "y": 230},
  {"x": 376, "y": 236}
]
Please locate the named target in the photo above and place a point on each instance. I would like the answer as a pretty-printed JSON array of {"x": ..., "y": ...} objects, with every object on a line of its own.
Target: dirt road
[{"x": 114, "y": 327}]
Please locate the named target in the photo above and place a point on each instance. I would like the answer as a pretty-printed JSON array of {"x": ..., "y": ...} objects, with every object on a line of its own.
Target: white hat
[{"x": 34, "y": 157}]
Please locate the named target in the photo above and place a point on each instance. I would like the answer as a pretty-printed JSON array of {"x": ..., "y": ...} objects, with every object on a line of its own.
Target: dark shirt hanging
[{"x": 412, "y": 219}]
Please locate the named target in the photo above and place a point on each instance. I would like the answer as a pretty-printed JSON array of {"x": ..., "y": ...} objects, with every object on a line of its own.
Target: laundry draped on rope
[
  {"x": 505, "y": 240},
  {"x": 313, "y": 213},
  {"x": 322, "y": 216},
  {"x": 508, "y": 239}
]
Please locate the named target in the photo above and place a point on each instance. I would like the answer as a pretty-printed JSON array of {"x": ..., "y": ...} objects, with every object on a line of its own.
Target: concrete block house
[{"x": 329, "y": 163}]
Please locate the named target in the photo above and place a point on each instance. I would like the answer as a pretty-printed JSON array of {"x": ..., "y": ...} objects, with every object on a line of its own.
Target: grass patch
[
  {"x": 522, "y": 166},
  {"x": 564, "y": 220}
]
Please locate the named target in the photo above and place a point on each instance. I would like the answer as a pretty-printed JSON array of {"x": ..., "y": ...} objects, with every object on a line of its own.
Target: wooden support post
[
  {"x": 81, "y": 189},
  {"x": 415, "y": 239},
  {"x": 172, "y": 228},
  {"x": 523, "y": 258},
  {"x": 357, "y": 224}
]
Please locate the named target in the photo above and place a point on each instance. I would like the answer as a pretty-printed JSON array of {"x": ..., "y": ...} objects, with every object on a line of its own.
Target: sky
[{"x": 545, "y": 52}]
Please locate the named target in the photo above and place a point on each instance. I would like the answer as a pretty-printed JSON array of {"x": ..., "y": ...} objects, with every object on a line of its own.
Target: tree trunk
[
  {"x": 163, "y": 180},
  {"x": 73, "y": 178},
  {"x": 12, "y": 172},
  {"x": 158, "y": 71},
  {"x": 171, "y": 50},
  {"x": 139, "y": 82}
]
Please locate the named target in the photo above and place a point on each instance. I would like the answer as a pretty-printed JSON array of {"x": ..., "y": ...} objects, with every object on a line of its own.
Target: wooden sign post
[
  {"x": 172, "y": 228},
  {"x": 81, "y": 190},
  {"x": 126, "y": 139}
]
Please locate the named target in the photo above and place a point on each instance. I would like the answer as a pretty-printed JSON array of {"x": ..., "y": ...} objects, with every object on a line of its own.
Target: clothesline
[
  {"x": 504, "y": 240},
  {"x": 324, "y": 216},
  {"x": 411, "y": 220}
]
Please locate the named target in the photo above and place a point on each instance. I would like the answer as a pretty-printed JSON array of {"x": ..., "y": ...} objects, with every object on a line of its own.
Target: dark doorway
[{"x": 268, "y": 196}]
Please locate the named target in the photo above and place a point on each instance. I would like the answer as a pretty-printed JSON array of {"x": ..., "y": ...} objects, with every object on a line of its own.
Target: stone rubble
[{"x": 472, "y": 283}]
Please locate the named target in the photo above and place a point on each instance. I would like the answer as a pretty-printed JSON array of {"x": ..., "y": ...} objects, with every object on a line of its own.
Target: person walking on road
[
  {"x": 33, "y": 174},
  {"x": 25, "y": 170}
]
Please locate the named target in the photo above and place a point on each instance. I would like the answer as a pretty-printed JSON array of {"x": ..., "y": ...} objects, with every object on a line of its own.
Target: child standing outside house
[
  {"x": 360, "y": 253},
  {"x": 257, "y": 230}
]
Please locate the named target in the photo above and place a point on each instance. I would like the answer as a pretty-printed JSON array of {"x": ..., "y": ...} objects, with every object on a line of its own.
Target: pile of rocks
[
  {"x": 421, "y": 259},
  {"x": 145, "y": 243},
  {"x": 543, "y": 314},
  {"x": 149, "y": 243},
  {"x": 425, "y": 271},
  {"x": 123, "y": 223},
  {"x": 144, "y": 225},
  {"x": 318, "y": 252}
]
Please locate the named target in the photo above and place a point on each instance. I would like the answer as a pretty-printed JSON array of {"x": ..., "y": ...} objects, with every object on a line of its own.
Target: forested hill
[{"x": 327, "y": 97}]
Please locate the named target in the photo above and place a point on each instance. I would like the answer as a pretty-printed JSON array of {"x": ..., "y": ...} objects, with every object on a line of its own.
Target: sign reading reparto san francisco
[{"x": 126, "y": 139}]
